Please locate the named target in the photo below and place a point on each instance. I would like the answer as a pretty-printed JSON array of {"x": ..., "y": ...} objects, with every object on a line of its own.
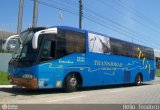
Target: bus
[{"x": 69, "y": 58}]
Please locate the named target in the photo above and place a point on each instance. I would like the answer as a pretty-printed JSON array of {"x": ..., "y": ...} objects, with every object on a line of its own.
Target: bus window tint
[
  {"x": 48, "y": 51},
  {"x": 61, "y": 45},
  {"x": 135, "y": 51},
  {"x": 69, "y": 42},
  {"x": 75, "y": 42},
  {"x": 123, "y": 48},
  {"x": 116, "y": 47}
]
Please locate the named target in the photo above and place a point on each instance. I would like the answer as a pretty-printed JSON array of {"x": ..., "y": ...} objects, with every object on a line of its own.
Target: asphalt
[{"x": 148, "y": 93}]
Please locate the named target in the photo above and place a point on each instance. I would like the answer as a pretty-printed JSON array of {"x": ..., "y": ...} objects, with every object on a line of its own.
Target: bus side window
[
  {"x": 48, "y": 50},
  {"x": 75, "y": 42}
]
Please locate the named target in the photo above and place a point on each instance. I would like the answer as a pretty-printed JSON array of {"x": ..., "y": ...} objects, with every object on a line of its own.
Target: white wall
[
  {"x": 156, "y": 53},
  {"x": 4, "y": 59}
]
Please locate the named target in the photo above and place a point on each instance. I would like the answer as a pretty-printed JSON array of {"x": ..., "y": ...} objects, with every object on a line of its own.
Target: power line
[
  {"x": 118, "y": 31},
  {"x": 75, "y": 3},
  {"x": 93, "y": 20},
  {"x": 104, "y": 18},
  {"x": 58, "y": 8},
  {"x": 65, "y": 6},
  {"x": 138, "y": 14},
  {"x": 148, "y": 27},
  {"x": 131, "y": 17},
  {"x": 142, "y": 15}
]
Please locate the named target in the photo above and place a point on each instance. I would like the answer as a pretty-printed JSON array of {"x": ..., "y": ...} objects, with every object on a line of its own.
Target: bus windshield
[
  {"x": 27, "y": 52},
  {"x": 19, "y": 45},
  {"x": 23, "y": 50},
  {"x": 17, "y": 50}
]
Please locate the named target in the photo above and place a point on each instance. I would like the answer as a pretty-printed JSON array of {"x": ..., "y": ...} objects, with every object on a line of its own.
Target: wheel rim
[
  {"x": 139, "y": 79},
  {"x": 73, "y": 82}
]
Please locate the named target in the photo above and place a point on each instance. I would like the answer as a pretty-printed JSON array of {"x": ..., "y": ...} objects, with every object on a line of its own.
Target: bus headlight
[{"x": 30, "y": 76}]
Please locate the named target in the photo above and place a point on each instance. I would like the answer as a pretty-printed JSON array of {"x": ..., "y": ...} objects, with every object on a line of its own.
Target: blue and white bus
[{"x": 69, "y": 58}]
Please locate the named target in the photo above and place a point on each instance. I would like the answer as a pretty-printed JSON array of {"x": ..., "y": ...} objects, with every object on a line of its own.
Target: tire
[
  {"x": 138, "y": 80},
  {"x": 71, "y": 83}
]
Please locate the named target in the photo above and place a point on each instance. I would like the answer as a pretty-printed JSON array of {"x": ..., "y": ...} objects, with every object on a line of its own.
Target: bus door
[{"x": 46, "y": 57}]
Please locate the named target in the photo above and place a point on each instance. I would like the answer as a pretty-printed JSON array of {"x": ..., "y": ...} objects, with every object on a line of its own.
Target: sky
[{"x": 131, "y": 20}]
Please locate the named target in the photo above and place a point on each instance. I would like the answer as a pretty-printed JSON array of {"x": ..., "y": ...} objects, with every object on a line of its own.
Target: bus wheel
[
  {"x": 71, "y": 83},
  {"x": 138, "y": 80}
]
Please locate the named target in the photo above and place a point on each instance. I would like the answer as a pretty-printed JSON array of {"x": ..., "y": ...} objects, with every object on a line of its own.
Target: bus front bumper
[{"x": 24, "y": 82}]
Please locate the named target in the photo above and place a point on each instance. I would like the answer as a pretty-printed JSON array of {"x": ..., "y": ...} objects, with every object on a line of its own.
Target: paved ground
[{"x": 148, "y": 93}]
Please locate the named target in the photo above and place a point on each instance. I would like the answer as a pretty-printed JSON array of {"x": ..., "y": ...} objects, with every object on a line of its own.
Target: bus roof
[{"x": 69, "y": 28}]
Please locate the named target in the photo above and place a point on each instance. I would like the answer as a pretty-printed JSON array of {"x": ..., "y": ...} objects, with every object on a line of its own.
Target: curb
[{"x": 6, "y": 86}]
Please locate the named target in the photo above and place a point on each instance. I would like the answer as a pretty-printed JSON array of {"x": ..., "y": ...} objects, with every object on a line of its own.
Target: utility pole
[
  {"x": 35, "y": 13},
  {"x": 20, "y": 15},
  {"x": 80, "y": 14}
]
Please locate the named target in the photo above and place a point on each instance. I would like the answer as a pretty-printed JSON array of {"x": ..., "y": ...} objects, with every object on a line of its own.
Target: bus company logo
[
  {"x": 4, "y": 107},
  {"x": 65, "y": 61}
]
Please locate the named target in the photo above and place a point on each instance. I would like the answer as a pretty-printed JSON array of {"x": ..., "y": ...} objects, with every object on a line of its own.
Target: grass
[
  {"x": 3, "y": 78},
  {"x": 158, "y": 72}
]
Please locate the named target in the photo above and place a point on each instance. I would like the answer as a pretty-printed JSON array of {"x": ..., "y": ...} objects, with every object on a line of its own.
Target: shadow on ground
[
  {"x": 110, "y": 87},
  {"x": 24, "y": 91}
]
